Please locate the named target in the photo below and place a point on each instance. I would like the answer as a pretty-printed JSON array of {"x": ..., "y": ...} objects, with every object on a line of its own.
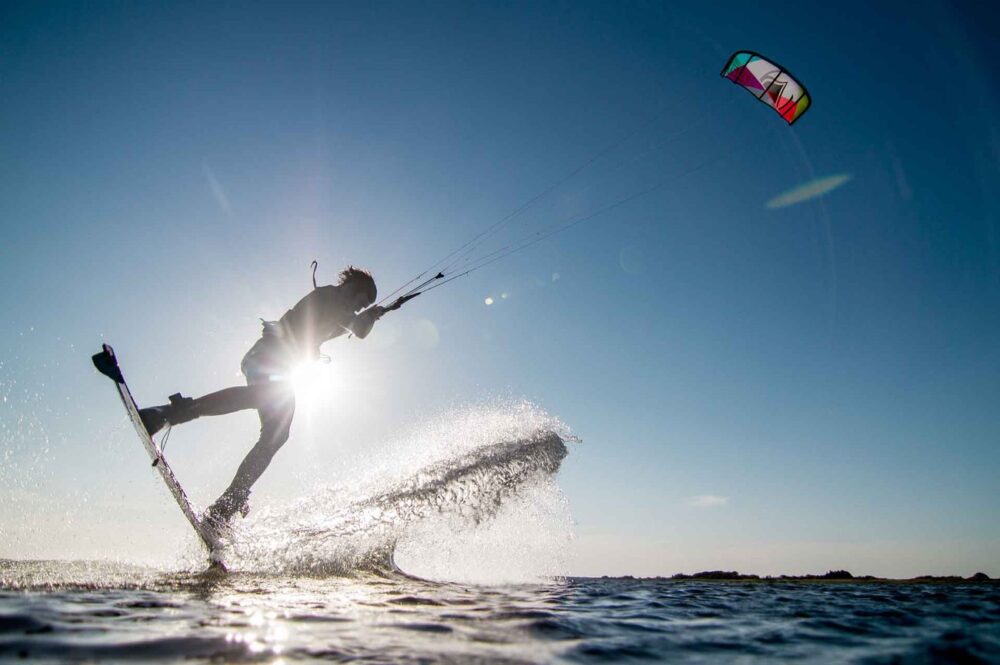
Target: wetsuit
[{"x": 320, "y": 316}]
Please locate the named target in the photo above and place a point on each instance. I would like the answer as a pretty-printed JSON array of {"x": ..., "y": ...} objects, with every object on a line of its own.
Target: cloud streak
[
  {"x": 707, "y": 501},
  {"x": 220, "y": 194},
  {"x": 808, "y": 191}
]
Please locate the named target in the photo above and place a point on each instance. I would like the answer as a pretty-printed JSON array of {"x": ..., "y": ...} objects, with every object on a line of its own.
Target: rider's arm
[{"x": 362, "y": 323}]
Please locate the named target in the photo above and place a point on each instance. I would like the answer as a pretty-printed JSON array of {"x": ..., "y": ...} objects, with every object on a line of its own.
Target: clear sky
[{"x": 763, "y": 380}]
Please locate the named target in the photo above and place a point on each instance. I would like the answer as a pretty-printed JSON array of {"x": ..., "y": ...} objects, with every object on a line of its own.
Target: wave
[{"x": 345, "y": 531}]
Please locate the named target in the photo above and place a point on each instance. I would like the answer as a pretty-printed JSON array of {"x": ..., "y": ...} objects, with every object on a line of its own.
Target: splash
[{"x": 465, "y": 477}]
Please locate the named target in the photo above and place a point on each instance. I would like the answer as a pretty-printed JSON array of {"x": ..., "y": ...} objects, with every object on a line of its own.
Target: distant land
[{"x": 829, "y": 576}]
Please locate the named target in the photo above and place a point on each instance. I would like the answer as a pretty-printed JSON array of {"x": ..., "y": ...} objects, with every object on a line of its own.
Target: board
[{"x": 107, "y": 364}]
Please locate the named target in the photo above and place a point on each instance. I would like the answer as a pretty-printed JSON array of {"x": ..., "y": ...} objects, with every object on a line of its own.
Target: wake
[{"x": 471, "y": 466}]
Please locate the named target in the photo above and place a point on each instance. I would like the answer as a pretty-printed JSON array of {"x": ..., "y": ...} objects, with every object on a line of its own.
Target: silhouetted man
[{"x": 325, "y": 313}]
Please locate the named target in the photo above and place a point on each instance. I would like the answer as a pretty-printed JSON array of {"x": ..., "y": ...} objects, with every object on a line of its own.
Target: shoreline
[{"x": 839, "y": 576}]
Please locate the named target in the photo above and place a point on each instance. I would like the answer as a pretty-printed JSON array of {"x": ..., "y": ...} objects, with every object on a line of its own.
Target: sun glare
[
  {"x": 313, "y": 381},
  {"x": 335, "y": 389}
]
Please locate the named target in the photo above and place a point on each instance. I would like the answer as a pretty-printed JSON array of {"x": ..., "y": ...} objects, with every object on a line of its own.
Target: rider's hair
[{"x": 361, "y": 277}]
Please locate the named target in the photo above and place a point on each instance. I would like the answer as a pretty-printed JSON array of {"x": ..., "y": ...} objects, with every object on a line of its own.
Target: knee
[
  {"x": 279, "y": 439},
  {"x": 274, "y": 439}
]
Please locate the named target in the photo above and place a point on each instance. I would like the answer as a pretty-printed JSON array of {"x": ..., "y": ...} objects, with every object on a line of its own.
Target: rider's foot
[
  {"x": 220, "y": 514},
  {"x": 154, "y": 418},
  {"x": 218, "y": 527},
  {"x": 180, "y": 410}
]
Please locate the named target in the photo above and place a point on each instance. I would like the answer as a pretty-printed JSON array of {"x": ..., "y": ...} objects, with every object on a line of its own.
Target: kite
[{"x": 769, "y": 82}]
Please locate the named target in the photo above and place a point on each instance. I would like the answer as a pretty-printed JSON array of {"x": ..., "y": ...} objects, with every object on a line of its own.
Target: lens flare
[{"x": 313, "y": 381}]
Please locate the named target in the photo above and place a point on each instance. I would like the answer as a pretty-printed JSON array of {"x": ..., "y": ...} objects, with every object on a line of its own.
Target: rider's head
[{"x": 360, "y": 287}]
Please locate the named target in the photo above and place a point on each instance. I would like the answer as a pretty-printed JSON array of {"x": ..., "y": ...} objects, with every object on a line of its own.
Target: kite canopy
[{"x": 769, "y": 82}]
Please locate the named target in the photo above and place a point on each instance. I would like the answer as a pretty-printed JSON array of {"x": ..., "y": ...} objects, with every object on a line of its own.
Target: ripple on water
[
  {"x": 243, "y": 617},
  {"x": 20, "y": 623},
  {"x": 208, "y": 648}
]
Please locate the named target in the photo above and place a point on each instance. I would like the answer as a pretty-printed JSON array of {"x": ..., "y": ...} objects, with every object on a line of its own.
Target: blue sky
[{"x": 827, "y": 369}]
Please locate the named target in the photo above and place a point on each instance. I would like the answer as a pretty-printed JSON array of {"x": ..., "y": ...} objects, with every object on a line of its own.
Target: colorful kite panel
[{"x": 769, "y": 82}]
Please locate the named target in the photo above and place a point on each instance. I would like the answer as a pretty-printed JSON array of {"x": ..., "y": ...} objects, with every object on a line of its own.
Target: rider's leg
[
  {"x": 275, "y": 422},
  {"x": 228, "y": 400}
]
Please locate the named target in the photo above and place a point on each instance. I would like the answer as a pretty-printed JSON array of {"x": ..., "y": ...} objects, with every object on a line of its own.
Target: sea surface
[
  {"x": 78, "y": 611},
  {"x": 471, "y": 501}
]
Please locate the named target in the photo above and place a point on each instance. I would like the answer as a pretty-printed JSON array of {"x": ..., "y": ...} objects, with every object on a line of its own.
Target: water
[
  {"x": 61, "y": 611},
  {"x": 450, "y": 552}
]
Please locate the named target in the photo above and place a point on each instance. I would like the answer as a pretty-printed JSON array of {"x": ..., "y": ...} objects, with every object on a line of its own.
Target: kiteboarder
[{"x": 326, "y": 312}]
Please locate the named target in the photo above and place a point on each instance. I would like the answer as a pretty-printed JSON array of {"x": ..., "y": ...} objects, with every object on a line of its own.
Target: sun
[
  {"x": 313, "y": 382},
  {"x": 337, "y": 389}
]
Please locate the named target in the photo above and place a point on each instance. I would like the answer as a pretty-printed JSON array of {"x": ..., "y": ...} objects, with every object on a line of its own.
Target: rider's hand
[{"x": 363, "y": 322}]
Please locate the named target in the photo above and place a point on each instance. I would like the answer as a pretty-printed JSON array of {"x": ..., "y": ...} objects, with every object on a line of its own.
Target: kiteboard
[{"x": 107, "y": 364}]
